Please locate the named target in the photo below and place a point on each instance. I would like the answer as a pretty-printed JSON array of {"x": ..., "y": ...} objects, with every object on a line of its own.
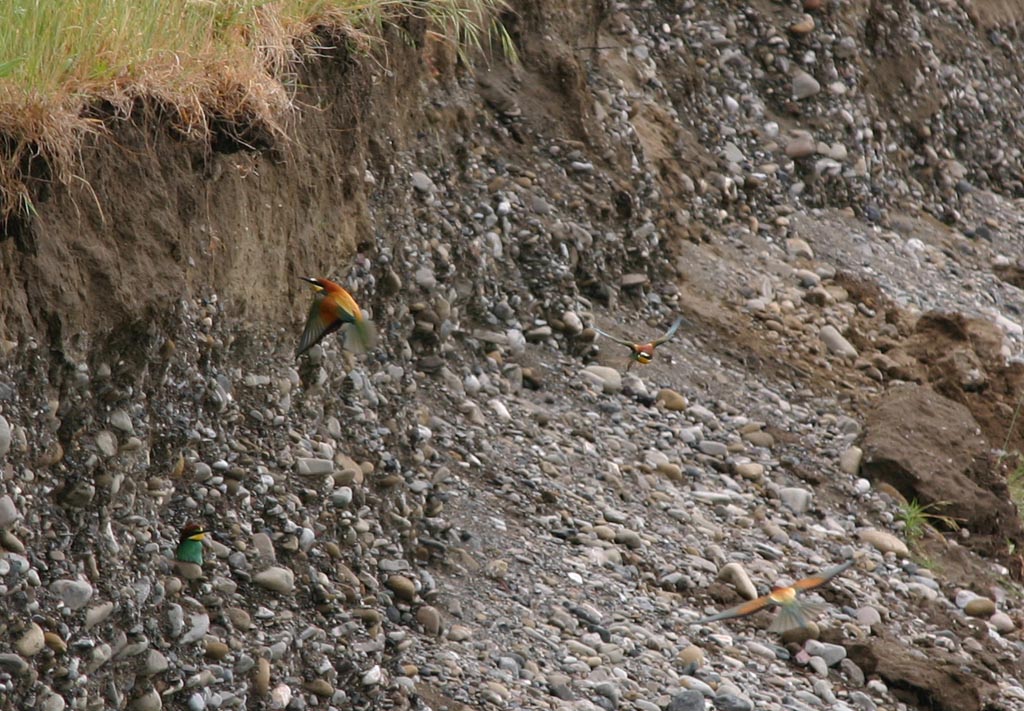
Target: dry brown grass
[{"x": 198, "y": 60}]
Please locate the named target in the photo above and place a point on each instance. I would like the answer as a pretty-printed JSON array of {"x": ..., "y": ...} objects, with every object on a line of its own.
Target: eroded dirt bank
[{"x": 474, "y": 514}]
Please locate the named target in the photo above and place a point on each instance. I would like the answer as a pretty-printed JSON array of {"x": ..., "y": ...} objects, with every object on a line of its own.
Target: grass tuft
[
  {"x": 198, "y": 59},
  {"x": 919, "y": 519}
]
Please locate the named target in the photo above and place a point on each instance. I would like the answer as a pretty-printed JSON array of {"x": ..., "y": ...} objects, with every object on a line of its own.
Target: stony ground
[{"x": 485, "y": 511}]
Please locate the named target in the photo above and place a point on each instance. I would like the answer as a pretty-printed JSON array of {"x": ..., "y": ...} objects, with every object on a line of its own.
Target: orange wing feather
[
  {"x": 821, "y": 578},
  {"x": 747, "y": 608}
]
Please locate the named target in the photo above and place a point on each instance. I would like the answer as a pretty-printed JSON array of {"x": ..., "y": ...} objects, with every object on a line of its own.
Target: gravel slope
[{"x": 484, "y": 511}]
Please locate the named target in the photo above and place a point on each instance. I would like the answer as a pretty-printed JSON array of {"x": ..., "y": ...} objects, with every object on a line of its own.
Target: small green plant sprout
[
  {"x": 1015, "y": 484},
  {"x": 919, "y": 519}
]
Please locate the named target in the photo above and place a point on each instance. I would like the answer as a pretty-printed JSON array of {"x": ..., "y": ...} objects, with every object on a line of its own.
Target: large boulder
[
  {"x": 934, "y": 679},
  {"x": 931, "y": 448}
]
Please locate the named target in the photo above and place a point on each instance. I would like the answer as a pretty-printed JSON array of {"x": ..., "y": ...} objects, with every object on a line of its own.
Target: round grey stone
[
  {"x": 831, "y": 653},
  {"x": 868, "y": 616},
  {"x": 150, "y": 701},
  {"x": 5, "y": 436},
  {"x": 73, "y": 593},
  {"x": 732, "y": 702},
  {"x": 689, "y": 700},
  {"x": 836, "y": 343},
  {"x": 422, "y": 182},
  {"x": 275, "y": 578},
  {"x": 796, "y": 499},
  {"x": 200, "y": 626},
  {"x": 608, "y": 379},
  {"x": 804, "y": 85},
  {"x": 8, "y": 512},
  {"x": 13, "y": 664}
]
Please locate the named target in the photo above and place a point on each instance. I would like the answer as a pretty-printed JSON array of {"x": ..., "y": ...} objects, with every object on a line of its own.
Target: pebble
[
  {"x": 884, "y": 542},
  {"x": 200, "y": 626},
  {"x": 430, "y": 618},
  {"x": 275, "y": 578},
  {"x": 215, "y": 649},
  {"x": 73, "y": 593},
  {"x": 280, "y": 696},
  {"x": 798, "y": 248},
  {"x": 1002, "y": 622},
  {"x": 31, "y": 641},
  {"x": 372, "y": 676},
  {"x": 98, "y": 614},
  {"x": 13, "y": 664},
  {"x": 713, "y": 448},
  {"x": 149, "y": 701},
  {"x": 311, "y": 466},
  {"x": 849, "y": 462},
  {"x": 868, "y": 616},
  {"x": 403, "y": 587},
  {"x": 55, "y": 642},
  {"x": 732, "y": 702},
  {"x": 831, "y": 653},
  {"x": 734, "y": 573},
  {"x": 106, "y": 442},
  {"x": 5, "y": 436},
  {"x": 459, "y": 633},
  {"x": 51, "y": 701},
  {"x": 8, "y": 512},
  {"x": 836, "y": 343},
  {"x": 801, "y": 145},
  {"x": 671, "y": 400},
  {"x": 121, "y": 420},
  {"x": 608, "y": 379},
  {"x": 803, "y": 26},
  {"x": 421, "y": 182},
  {"x": 796, "y": 499},
  {"x": 691, "y": 654},
  {"x": 980, "y": 607},
  {"x": 853, "y": 673},
  {"x": 752, "y": 471},
  {"x": 688, "y": 700},
  {"x": 319, "y": 687},
  {"x": 156, "y": 663},
  {"x": 804, "y": 85},
  {"x": 261, "y": 677}
]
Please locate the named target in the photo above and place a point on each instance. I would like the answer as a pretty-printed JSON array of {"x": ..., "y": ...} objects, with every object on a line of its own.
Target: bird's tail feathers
[
  {"x": 796, "y": 615},
  {"x": 361, "y": 336}
]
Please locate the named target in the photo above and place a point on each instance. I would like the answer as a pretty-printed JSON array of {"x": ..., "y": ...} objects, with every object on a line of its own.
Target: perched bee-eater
[
  {"x": 643, "y": 353},
  {"x": 332, "y": 308},
  {"x": 793, "y": 612},
  {"x": 190, "y": 545}
]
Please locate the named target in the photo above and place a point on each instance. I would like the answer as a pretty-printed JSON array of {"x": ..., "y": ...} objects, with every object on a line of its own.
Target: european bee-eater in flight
[
  {"x": 643, "y": 353},
  {"x": 332, "y": 308},
  {"x": 190, "y": 545},
  {"x": 793, "y": 612}
]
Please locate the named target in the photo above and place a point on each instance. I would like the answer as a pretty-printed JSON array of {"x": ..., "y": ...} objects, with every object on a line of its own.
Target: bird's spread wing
[
  {"x": 670, "y": 332},
  {"x": 623, "y": 341},
  {"x": 747, "y": 608},
  {"x": 319, "y": 323},
  {"x": 821, "y": 578}
]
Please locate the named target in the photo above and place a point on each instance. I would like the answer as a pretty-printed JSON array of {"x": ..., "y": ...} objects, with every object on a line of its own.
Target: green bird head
[{"x": 190, "y": 545}]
